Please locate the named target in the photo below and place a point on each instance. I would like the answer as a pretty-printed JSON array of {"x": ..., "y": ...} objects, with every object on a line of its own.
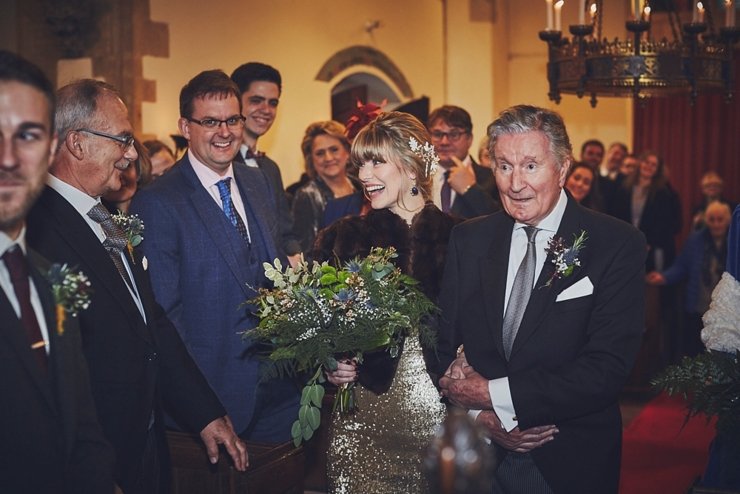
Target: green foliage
[
  {"x": 710, "y": 383},
  {"x": 316, "y": 312}
]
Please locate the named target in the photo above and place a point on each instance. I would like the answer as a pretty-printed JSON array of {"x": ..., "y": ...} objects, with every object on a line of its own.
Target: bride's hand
[{"x": 346, "y": 373}]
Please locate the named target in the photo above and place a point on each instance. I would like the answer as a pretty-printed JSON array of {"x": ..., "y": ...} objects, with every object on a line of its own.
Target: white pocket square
[{"x": 581, "y": 288}]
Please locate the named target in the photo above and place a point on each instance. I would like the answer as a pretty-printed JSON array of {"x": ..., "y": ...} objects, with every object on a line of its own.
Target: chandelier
[{"x": 698, "y": 59}]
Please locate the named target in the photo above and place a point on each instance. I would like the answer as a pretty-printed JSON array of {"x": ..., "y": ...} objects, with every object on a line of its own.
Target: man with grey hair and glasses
[
  {"x": 542, "y": 317},
  {"x": 138, "y": 363}
]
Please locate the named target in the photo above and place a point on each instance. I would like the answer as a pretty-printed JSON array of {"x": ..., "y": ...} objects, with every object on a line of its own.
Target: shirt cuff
[{"x": 503, "y": 405}]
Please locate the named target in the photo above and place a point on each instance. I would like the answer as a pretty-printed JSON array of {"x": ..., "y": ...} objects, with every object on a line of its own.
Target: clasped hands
[{"x": 466, "y": 388}]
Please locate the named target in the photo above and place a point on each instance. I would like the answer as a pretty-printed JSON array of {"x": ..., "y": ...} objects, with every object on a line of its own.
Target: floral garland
[{"x": 71, "y": 292}]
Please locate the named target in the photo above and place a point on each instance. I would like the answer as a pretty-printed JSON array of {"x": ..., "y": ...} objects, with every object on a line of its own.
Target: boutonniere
[
  {"x": 71, "y": 292},
  {"x": 565, "y": 257},
  {"x": 133, "y": 227}
]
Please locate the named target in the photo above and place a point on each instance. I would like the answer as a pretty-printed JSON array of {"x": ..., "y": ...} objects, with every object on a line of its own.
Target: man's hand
[
  {"x": 516, "y": 440},
  {"x": 470, "y": 391},
  {"x": 220, "y": 431},
  {"x": 461, "y": 177}
]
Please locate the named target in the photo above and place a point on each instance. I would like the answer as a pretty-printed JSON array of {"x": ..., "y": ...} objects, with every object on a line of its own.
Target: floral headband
[{"x": 427, "y": 155}]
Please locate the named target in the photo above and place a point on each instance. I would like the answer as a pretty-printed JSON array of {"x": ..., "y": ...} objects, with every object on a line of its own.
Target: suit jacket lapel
[
  {"x": 253, "y": 184},
  {"x": 233, "y": 249},
  {"x": 544, "y": 296},
  {"x": 493, "y": 270},
  {"x": 15, "y": 335},
  {"x": 96, "y": 262}
]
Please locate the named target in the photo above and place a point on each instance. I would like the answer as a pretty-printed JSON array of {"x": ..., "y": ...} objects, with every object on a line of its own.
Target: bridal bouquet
[{"x": 317, "y": 313}]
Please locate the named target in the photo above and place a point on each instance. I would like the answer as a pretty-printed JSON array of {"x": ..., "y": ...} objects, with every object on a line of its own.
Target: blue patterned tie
[
  {"x": 520, "y": 292},
  {"x": 224, "y": 191}
]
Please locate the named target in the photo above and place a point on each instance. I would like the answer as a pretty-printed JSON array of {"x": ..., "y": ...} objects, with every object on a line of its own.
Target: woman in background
[
  {"x": 579, "y": 181},
  {"x": 326, "y": 151},
  {"x": 648, "y": 202},
  {"x": 379, "y": 448}
]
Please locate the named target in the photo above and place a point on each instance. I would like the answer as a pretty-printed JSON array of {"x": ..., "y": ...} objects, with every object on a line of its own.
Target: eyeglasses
[
  {"x": 125, "y": 140},
  {"x": 452, "y": 136},
  {"x": 234, "y": 122}
]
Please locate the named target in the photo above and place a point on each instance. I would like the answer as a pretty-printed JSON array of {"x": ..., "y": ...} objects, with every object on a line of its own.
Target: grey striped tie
[
  {"x": 520, "y": 292},
  {"x": 115, "y": 239}
]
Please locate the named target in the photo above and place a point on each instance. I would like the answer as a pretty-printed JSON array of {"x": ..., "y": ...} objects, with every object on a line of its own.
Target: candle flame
[
  {"x": 699, "y": 5},
  {"x": 593, "y": 9},
  {"x": 559, "y": 4}
]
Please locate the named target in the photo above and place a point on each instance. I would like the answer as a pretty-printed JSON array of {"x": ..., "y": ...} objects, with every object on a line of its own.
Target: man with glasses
[
  {"x": 137, "y": 360},
  {"x": 461, "y": 187},
  {"x": 210, "y": 227}
]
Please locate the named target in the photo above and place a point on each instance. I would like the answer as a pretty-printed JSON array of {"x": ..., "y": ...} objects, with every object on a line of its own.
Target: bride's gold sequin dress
[{"x": 378, "y": 449}]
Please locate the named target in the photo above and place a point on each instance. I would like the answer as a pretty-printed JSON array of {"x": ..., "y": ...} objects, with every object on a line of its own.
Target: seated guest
[
  {"x": 161, "y": 157},
  {"x": 579, "y": 181},
  {"x": 326, "y": 151},
  {"x": 701, "y": 262}
]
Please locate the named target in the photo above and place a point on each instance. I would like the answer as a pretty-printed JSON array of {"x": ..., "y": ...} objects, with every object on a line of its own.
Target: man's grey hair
[
  {"x": 525, "y": 118},
  {"x": 77, "y": 105}
]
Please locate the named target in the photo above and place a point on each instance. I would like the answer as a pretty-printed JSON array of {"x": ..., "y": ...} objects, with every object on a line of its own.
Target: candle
[
  {"x": 549, "y": 14},
  {"x": 593, "y": 12},
  {"x": 695, "y": 14},
  {"x": 646, "y": 13},
  {"x": 636, "y": 9},
  {"x": 729, "y": 14},
  {"x": 581, "y": 12},
  {"x": 558, "y": 8},
  {"x": 700, "y": 11}
]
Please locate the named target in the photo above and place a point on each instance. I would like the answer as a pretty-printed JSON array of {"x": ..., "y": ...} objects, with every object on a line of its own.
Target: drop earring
[{"x": 414, "y": 190}]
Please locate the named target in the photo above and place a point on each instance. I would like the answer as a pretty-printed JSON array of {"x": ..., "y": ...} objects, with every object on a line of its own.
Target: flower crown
[{"x": 427, "y": 155}]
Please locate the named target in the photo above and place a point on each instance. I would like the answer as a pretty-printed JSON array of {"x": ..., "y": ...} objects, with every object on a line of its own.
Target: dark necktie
[
  {"x": 224, "y": 191},
  {"x": 17, "y": 266},
  {"x": 115, "y": 242},
  {"x": 446, "y": 193},
  {"x": 520, "y": 292}
]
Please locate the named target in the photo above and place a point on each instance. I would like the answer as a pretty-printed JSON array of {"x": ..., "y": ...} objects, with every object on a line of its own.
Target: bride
[{"x": 378, "y": 449}]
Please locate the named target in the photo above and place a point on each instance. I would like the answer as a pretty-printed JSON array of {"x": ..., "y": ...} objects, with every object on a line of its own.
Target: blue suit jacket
[{"x": 198, "y": 267}]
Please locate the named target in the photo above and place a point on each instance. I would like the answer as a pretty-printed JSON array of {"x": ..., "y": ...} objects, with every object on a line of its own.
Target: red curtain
[{"x": 693, "y": 140}]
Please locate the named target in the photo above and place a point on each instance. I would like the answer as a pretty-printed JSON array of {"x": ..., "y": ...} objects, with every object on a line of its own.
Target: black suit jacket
[
  {"x": 660, "y": 221},
  {"x": 287, "y": 241},
  {"x": 480, "y": 199},
  {"x": 570, "y": 358},
  {"x": 50, "y": 440},
  {"x": 134, "y": 365}
]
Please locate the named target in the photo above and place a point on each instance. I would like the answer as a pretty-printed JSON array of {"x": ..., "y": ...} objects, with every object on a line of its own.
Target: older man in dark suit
[
  {"x": 50, "y": 440},
  {"x": 547, "y": 299},
  {"x": 211, "y": 226},
  {"x": 137, "y": 360}
]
